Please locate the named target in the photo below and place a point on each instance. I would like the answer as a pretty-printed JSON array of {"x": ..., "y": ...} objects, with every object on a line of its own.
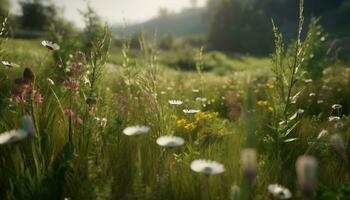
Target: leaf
[{"x": 291, "y": 129}]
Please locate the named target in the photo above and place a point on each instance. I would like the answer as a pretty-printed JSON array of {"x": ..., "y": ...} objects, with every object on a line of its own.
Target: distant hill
[{"x": 186, "y": 23}]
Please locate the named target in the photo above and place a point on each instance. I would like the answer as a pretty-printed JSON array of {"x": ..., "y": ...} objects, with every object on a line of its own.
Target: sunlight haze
[{"x": 116, "y": 11}]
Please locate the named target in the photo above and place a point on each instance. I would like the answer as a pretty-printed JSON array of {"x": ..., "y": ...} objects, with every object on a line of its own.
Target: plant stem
[{"x": 205, "y": 187}]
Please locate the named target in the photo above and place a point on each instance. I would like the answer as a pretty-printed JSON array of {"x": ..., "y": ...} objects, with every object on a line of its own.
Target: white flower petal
[
  {"x": 207, "y": 167},
  {"x": 136, "y": 130}
]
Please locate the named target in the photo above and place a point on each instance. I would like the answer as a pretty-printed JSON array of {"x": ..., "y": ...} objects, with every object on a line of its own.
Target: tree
[
  {"x": 4, "y": 8},
  {"x": 36, "y": 15}
]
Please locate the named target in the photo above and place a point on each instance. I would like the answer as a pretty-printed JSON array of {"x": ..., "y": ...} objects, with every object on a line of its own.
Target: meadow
[{"x": 82, "y": 118}]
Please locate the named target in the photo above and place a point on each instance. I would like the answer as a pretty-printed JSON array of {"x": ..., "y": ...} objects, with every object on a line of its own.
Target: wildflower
[
  {"x": 249, "y": 162},
  {"x": 37, "y": 97},
  {"x": 181, "y": 122},
  {"x": 339, "y": 125},
  {"x": 79, "y": 55},
  {"x": 333, "y": 118},
  {"x": 190, "y": 111},
  {"x": 205, "y": 130},
  {"x": 170, "y": 141},
  {"x": 78, "y": 121},
  {"x": 320, "y": 101},
  {"x": 277, "y": 98},
  {"x": 10, "y": 64},
  {"x": 257, "y": 90},
  {"x": 68, "y": 112},
  {"x": 50, "y": 45},
  {"x": 190, "y": 126},
  {"x": 50, "y": 81},
  {"x": 279, "y": 192},
  {"x": 308, "y": 80},
  {"x": 270, "y": 109},
  {"x": 213, "y": 115},
  {"x": 175, "y": 102},
  {"x": 162, "y": 92},
  {"x": 270, "y": 85},
  {"x": 173, "y": 117},
  {"x": 136, "y": 130},
  {"x": 312, "y": 94},
  {"x": 26, "y": 131},
  {"x": 336, "y": 106},
  {"x": 199, "y": 116},
  {"x": 71, "y": 84},
  {"x": 300, "y": 111},
  {"x": 202, "y": 99},
  {"x": 103, "y": 122},
  {"x": 322, "y": 134},
  {"x": 195, "y": 90},
  {"x": 121, "y": 100},
  {"x": 338, "y": 144},
  {"x": 91, "y": 101},
  {"x": 262, "y": 103},
  {"x": 207, "y": 167},
  {"x": 306, "y": 167}
]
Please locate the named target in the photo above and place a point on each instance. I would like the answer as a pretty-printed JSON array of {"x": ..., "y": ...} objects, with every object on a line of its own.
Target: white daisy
[
  {"x": 333, "y": 118},
  {"x": 103, "y": 122},
  {"x": 175, "y": 102},
  {"x": 300, "y": 111},
  {"x": 308, "y": 80},
  {"x": 18, "y": 134},
  {"x": 336, "y": 106},
  {"x": 190, "y": 111},
  {"x": 136, "y": 130},
  {"x": 170, "y": 141},
  {"x": 320, "y": 101},
  {"x": 195, "y": 90},
  {"x": 207, "y": 167},
  {"x": 312, "y": 94},
  {"x": 10, "y": 64},
  {"x": 50, "y": 81},
  {"x": 202, "y": 99},
  {"x": 50, "y": 45},
  {"x": 279, "y": 192}
]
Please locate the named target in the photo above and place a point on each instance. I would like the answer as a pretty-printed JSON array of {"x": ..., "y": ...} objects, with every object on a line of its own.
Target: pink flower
[
  {"x": 79, "y": 55},
  {"x": 37, "y": 97},
  {"x": 78, "y": 121},
  {"x": 68, "y": 112},
  {"x": 70, "y": 84}
]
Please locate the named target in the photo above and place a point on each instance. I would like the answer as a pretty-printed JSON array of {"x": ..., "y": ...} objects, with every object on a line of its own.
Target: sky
[{"x": 117, "y": 11}]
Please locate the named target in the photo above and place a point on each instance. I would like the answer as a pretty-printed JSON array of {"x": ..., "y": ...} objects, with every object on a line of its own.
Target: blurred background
[{"x": 232, "y": 26}]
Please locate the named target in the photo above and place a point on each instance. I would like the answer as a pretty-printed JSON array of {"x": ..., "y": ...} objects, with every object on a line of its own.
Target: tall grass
[{"x": 79, "y": 150}]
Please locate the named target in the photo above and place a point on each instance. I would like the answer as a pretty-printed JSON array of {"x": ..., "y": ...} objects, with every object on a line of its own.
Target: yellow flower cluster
[
  {"x": 201, "y": 115},
  {"x": 190, "y": 126},
  {"x": 181, "y": 122},
  {"x": 270, "y": 85},
  {"x": 262, "y": 103}
]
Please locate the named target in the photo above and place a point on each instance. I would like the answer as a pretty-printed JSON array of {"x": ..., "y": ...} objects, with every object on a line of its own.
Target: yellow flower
[
  {"x": 199, "y": 116},
  {"x": 277, "y": 98},
  {"x": 262, "y": 103},
  {"x": 270, "y": 85},
  {"x": 205, "y": 130},
  {"x": 190, "y": 126},
  {"x": 257, "y": 90},
  {"x": 213, "y": 114},
  {"x": 270, "y": 110},
  {"x": 181, "y": 122},
  {"x": 173, "y": 117}
]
